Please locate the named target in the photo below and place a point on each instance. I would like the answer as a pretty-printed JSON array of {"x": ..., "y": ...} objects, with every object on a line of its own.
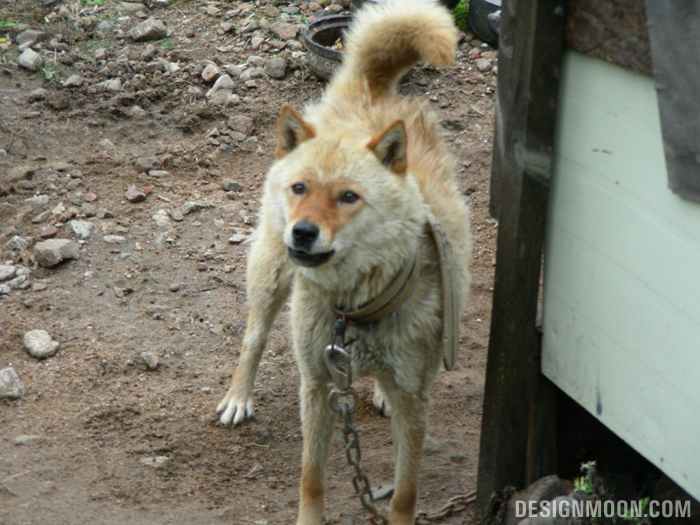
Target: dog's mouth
[{"x": 309, "y": 260}]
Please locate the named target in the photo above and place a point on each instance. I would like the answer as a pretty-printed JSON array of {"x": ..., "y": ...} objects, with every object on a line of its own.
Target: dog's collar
[
  {"x": 399, "y": 290},
  {"x": 403, "y": 285}
]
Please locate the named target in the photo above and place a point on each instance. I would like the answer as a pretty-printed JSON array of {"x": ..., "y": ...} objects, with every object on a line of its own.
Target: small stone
[
  {"x": 30, "y": 37},
  {"x": 156, "y": 462},
  {"x": 31, "y": 60},
  {"x": 7, "y": 271},
  {"x": 10, "y": 385},
  {"x": 146, "y": 164},
  {"x": 210, "y": 73},
  {"x": 161, "y": 218},
  {"x": 114, "y": 239},
  {"x": 39, "y": 287},
  {"x": 483, "y": 64},
  {"x": 237, "y": 238},
  {"x": 73, "y": 81},
  {"x": 174, "y": 287},
  {"x": 261, "y": 436},
  {"x": 37, "y": 95},
  {"x": 38, "y": 201},
  {"x": 151, "y": 29},
  {"x": 5, "y": 289},
  {"x": 133, "y": 195},
  {"x": 284, "y": 30},
  {"x": 159, "y": 173},
  {"x": 106, "y": 144},
  {"x": 231, "y": 185},
  {"x": 382, "y": 491},
  {"x": 432, "y": 446},
  {"x": 113, "y": 85},
  {"x": 150, "y": 359},
  {"x": 18, "y": 282},
  {"x": 104, "y": 27},
  {"x": 242, "y": 123},
  {"x": 16, "y": 243},
  {"x": 131, "y": 7},
  {"x": 149, "y": 52},
  {"x": 276, "y": 67},
  {"x": 53, "y": 251},
  {"x": 223, "y": 83},
  {"x": 39, "y": 344},
  {"x": 212, "y": 10},
  {"x": 256, "y": 42},
  {"x": 81, "y": 229},
  {"x": 177, "y": 216},
  {"x": 28, "y": 440},
  {"x": 195, "y": 206}
]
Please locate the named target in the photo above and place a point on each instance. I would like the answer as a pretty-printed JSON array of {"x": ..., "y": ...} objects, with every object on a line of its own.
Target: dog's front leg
[
  {"x": 269, "y": 277},
  {"x": 317, "y": 426},
  {"x": 408, "y": 426}
]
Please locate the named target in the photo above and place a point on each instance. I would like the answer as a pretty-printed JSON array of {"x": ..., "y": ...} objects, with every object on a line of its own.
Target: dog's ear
[
  {"x": 390, "y": 147},
  {"x": 291, "y": 131}
]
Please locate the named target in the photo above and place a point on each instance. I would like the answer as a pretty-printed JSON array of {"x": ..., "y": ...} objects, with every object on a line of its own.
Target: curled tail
[{"x": 386, "y": 40}]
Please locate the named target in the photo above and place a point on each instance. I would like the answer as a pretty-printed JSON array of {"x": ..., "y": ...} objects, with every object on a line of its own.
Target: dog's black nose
[{"x": 304, "y": 234}]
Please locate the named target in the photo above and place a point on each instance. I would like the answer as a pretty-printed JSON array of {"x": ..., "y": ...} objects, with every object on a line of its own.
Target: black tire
[{"x": 479, "y": 11}]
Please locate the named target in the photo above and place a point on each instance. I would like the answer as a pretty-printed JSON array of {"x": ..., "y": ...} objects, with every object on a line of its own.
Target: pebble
[
  {"x": 159, "y": 173},
  {"x": 156, "y": 462},
  {"x": 222, "y": 87},
  {"x": 10, "y": 385},
  {"x": 39, "y": 344},
  {"x": 81, "y": 229},
  {"x": 38, "y": 201},
  {"x": 161, "y": 218},
  {"x": 114, "y": 239},
  {"x": 276, "y": 67},
  {"x": 483, "y": 64},
  {"x": 31, "y": 60},
  {"x": 106, "y": 144},
  {"x": 195, "y": 206},
  {"x": 37, "y": 95},
  {"x": 242, "y": 123},
  {"x": 284, "y": 30},
  {"x": 150, "y": 359},
  {"x": 28, "y": 439},
  {"x": 231, "y": 185},
  {"x": 113, "y": 85},
  {"x": 7, "y": 271},
  {"x": 133, "y": 195},
  {"x": 151, "y": 29},
  {"x": 210, "y": 73},
  {"x": 73, "y": 81},
  {"x": 146, "y": 164},
  {"x": 5, "y": 289},
  {"x": 237, "y": 238},
  {"x": 16, "y": 243},
  {"x": 31, "y": 36},
  {"x": 174, "y": 287},
  {"x": 53, "y": 251}
]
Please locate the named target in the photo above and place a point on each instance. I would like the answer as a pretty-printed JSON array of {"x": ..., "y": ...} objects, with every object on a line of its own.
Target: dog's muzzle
[{"x": 304, "y": 236}]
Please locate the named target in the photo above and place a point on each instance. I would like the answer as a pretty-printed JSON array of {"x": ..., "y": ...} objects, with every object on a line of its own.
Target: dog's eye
[
  {"x": 299, "y": 188},
  {"x": 349, "y": 197}
]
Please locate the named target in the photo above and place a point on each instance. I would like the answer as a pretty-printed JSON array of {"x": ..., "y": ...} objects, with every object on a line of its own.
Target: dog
[{"x": 357, "y": 178}]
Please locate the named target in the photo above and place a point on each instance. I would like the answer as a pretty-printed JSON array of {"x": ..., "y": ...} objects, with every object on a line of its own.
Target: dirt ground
[{"x": 79, "y": 446}]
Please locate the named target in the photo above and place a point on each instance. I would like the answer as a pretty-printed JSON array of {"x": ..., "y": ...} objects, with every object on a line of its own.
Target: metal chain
[{"x": 454, "y": 505}]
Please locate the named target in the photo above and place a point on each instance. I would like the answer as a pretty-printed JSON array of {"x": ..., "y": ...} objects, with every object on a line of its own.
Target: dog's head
[{"x": 337, "y": 194}]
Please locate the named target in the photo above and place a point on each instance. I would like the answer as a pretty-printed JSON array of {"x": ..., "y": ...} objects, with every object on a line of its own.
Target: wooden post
[{"x": 518, "y": 403}]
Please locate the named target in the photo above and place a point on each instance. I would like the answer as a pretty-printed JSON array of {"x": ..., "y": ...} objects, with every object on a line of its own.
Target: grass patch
[{"x": 461, "y": 14}]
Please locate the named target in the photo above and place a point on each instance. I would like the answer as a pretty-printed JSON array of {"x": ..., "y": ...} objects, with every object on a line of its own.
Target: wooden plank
[
  {"x": 622, "y": 294},
  {"x": 531, "y": 40},
  {"x": 675, "y": 29}
]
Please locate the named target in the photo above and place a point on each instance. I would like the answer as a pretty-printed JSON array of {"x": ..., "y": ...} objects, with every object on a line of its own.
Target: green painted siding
[{"x": 622, "y": 270}]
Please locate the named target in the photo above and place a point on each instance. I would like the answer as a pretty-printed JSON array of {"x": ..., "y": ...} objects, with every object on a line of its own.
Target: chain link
[{"x": 454, "y": 505}]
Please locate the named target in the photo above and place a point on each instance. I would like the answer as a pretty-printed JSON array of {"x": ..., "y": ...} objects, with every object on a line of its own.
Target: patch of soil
[{"x": 120, "y": 438}]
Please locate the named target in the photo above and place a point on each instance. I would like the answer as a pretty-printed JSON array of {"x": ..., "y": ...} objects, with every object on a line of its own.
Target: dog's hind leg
[
  {"x": 269, "y": 276},
  {"x": 408, "y": 424},
  {"x": 317, "y": 426},
  {"x": 380, "y": 400}
]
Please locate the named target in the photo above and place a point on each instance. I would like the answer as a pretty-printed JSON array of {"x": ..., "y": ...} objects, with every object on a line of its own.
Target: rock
[
  {"x": 81, "y": 229},
  {"x": 150, "y": 359},
  {"x": 31, "y": 36},
  {"x": 252, "y": 73},
  {"x": 39, "y": 344},
  {"x": 156, "y": 462},
  {"x": 48, "y": 232},
  {"x": 31, "y": 60},
  {"x": 146, "y": 164},
  {"x": 113, "y": 85},
  {"x": 237, "y": 238},
  {"x": 10, "y": 385},
  {"x": 149, "y": 52},
  {"x": 432, "y": 446},
  {"x": 284, "y": 30},
  {"x": 18, "y": 282},
  {"x": 28, "y": 440},
  {"x": 5, "y": 289},
  {"x": 16, "y": 243},
  {"x": 131, "y": 7},
  {"x": 242, "y": 124},
  {"x": 174, "y": 287},
  {"x": 256, "y": 42},
  {"x": 133, "y": 195},
  {"x": 159, "y": 173},
  {"x": 53, "y": 251},
  {"x": 37, "y": 95},
  {"x": 73, "y": 81},
  {"x": 151, "y": 29},
  {"x": 38, "y": 201},
  {"x": 210, "y": 73},
  {"x": 382, "y": 491},
  {"x": 161, "y": 218},
  {"x": 7, "y": 271},
  {"x": 276, "y": 67},
  {"x": 223, "y": 84},
  {"x": 483, "y": 64},
  {"x": 231, "y": 185},
  {"x": 195, "y": 206},
  {"x": 104, "y": 27},
  {"x": 106, "y": 144},
  {"x": 114, "y": 239},
  {"x": 261, "y": 436},
  {"x": 544, "y": 489}
]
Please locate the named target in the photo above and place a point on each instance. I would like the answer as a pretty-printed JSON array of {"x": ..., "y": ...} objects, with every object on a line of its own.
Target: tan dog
[{"x": 344, "y": 213}]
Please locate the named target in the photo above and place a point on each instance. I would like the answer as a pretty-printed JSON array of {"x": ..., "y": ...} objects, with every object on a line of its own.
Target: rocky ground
[{"x": 134, "y": 141}]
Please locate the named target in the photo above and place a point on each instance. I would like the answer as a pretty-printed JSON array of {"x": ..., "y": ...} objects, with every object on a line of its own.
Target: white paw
[
  {"x": 380, "y": 402},
  {"x": 235, "y": 410}
]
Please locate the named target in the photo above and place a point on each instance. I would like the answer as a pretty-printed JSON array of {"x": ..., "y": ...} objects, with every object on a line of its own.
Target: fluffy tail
[{"x": 386, "y": 40}]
